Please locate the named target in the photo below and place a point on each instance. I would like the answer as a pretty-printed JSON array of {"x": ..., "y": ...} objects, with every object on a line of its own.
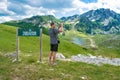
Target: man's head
[{"x": 52, "y": 25}]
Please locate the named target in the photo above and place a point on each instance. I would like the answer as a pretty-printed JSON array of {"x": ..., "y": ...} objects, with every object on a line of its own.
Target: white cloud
[
  {"x": 3, "y": 8},
  {"x": 4, "y": 18},
  {"x": 58, "y": 8},
  {"x": 38, "y": 11},
  {"x": 3, "y": 4},
  {"x": 67, "y": 10},
  {"x": 33, "y": 11},
  {"x": 111, "y": 4}
]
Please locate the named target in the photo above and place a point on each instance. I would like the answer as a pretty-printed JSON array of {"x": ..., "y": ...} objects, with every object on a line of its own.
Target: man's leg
[
  {"x": 54, "y": 57},
  {"x": 54, "y": 53},
  {"x": 51, "y": 57}
]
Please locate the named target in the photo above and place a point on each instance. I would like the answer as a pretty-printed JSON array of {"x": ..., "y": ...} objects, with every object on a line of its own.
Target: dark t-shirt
[{"x": 53, "y": 35}]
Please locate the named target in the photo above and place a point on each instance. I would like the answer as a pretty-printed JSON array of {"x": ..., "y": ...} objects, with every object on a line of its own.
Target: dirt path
[{"x": 92, "y": 42}]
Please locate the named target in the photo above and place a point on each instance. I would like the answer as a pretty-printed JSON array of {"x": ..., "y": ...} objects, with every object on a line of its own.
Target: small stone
[{"x": 60, "y": 56}]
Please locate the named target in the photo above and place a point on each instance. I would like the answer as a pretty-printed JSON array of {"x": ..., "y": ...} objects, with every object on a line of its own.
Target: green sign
[{"x": 28, "y": 32}]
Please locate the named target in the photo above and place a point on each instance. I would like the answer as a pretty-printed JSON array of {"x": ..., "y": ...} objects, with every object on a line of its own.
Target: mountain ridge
[{"x": 100, "y": 21}]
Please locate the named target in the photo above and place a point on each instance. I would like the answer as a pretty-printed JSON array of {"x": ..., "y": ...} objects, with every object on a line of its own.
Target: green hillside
[
  {"x": 29, "y": 69},
  {"x": 31, "y": 44},
  {"x": 109, "y": 45}
]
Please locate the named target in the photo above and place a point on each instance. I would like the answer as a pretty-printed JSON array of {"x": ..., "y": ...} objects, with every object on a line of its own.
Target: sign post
[
  {"x": 17, "y": 45},
  {"x": 40, "y": 44},
  {"x": 28, "y": 32}
]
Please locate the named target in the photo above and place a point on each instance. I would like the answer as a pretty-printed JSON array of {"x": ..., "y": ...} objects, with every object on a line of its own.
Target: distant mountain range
[
  {"x": 34, "y": 22},
  {"x": 100, "y": 21}
]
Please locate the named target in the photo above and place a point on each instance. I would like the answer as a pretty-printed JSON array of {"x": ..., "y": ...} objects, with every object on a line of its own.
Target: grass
[
  {"x": 31, "y": 44},
  {"x": 29, "y": 69},
  {"x": 70, "y": 35},
  {"x": 109, "y": 45},
  {"x": 73, "y": 33}
]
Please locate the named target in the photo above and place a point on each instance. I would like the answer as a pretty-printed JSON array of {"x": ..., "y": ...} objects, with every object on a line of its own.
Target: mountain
[
  {"x": 100, "y": 21},
  {"x": 70, "y": 18},
  {"x": 34, "y": 22},
  {"x": 103, "y": 21}
]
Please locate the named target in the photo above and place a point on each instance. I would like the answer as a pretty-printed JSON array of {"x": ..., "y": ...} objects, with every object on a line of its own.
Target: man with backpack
[{"x": 54, "y": 41}]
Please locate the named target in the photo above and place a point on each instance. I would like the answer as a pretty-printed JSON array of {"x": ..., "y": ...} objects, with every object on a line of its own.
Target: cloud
[
  {"x": 32, "y": 11},
  {"x": 3, "y": 9},
  {"x": 84, "y": 7},
  {"x": 19, "y": 9},
  {"x": 5, "y": 18},
  {"x": 50, "y": 4}
]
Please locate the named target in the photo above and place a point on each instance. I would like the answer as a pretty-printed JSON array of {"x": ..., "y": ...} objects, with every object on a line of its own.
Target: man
[{"x": 53, "y": 32}]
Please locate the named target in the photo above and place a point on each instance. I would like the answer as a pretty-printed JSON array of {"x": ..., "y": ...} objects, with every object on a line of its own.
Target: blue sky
[
  {"x": 89, "y": 1},
  {"x": 20, "y": 9}
]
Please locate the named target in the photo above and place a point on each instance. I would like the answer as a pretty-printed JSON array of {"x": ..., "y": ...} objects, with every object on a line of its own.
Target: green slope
[
  {"x": 29, "y": 69},
  {"x": 31, "y": 44},
  {"x": 63, "y": 71},
  {"x": 109, "y": 45}
]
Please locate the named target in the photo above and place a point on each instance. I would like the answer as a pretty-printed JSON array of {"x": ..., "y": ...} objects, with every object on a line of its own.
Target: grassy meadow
[{"x": 29, "y": 68}]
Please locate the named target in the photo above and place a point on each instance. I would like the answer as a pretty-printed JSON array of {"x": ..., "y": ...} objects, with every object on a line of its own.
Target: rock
[
  {"x": 84, "y": 77},
  {"x": 11, "y": 54},
  {"x": 91, "y": 56},
  {"x": 60, "y": 56},
  {"x": 90, "y": 59},
  {"x": 28, "y": 55}
]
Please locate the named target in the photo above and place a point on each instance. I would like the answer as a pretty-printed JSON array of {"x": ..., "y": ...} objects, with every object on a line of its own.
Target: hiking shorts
[{"x": 54, "y": 47}]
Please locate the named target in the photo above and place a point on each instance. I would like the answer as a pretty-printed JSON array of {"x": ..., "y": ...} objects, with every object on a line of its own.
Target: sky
[{"x": 20, "y": 9}]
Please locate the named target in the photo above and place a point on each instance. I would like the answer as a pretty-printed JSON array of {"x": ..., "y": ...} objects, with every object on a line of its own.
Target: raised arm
[{"x": 60, "y": 27}]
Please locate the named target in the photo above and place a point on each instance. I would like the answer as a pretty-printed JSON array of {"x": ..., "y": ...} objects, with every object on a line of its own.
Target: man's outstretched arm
[{"x": 60, "y": 27}]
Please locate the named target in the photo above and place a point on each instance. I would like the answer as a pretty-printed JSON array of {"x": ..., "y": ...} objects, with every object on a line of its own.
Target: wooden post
[
  {"x": 17, "y": 45},
  {"x": 40, "y": 44}
]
